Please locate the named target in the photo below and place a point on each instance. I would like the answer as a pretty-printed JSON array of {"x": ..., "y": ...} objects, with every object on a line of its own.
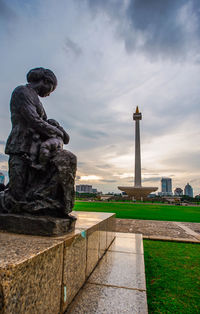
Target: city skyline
[{"x": 107, "y": 64}]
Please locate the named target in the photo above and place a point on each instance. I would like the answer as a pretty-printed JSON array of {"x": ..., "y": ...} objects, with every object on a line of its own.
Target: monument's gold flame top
[{"x": 137, "y": 110}]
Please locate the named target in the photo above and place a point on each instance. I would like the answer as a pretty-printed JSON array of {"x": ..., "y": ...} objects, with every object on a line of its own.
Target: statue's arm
[
  {"x": 29, "y": 113},
  {"x": 65, "y": 135}
]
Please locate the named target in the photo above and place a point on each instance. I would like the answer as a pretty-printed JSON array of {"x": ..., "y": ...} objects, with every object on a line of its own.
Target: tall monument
[
  {"x": 137, "y": 116},
  {"x": 137, "y": 191}
]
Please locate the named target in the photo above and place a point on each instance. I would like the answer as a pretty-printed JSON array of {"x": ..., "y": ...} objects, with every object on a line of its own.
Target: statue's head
[{"x": 42, "y": 80}]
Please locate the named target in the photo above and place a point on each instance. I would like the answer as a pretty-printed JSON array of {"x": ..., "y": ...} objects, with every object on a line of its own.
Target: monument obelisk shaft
[
  {"x": 137, "y": 191},
  {"x": 137, "y": 116}
]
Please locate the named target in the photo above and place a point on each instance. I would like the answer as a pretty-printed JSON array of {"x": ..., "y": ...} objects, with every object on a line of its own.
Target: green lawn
[
  {"x": 172, "y": 277},
  {"x": 143, "y": 211}
]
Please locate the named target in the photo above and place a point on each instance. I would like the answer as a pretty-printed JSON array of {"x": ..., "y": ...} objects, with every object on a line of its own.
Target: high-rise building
[
  {"x": 178, "y": 191},
  {"x": 188, "y": 190},
  {"x": 84, "y": 188},
  {"x": 166, "y": 186},
  {"x": 2, "y": 178}
]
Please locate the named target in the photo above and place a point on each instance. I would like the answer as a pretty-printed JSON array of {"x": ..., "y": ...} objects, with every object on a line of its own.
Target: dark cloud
[
  {"x": 92, "y": 134},
  {"x": 81, "y": 164},
  {"x": 6, "y": 12},
  {"x": 108, "y": 181},
  {"x": 151, "y": 179},
  {"x": 130, "y": 181},
  {"x": 158, "y": 23},
  {"x": 167, "y": 28},
  {"x": 111, "y": 7},
  {"x": 71, "y": 46},
  {"x": 186, "y": 161},
  {"x": 104, "y": 166},
  {"x": 3, "y": 157}
]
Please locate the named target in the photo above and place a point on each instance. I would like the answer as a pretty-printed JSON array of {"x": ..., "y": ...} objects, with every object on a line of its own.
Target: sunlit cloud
[
  {"x": 90, "y": 178},
  {"x": 124, "y": 175}
]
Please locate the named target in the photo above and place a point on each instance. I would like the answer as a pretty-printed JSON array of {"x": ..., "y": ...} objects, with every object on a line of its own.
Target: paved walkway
[
  {"x": 163, "y": 230},
  {"x": 117, "y": 285}
]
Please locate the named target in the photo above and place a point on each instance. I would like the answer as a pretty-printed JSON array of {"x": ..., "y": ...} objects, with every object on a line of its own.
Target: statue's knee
[{"x": 74, "y": 159}]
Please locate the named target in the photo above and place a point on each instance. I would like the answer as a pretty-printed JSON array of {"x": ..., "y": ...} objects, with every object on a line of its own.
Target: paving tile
[
  {"x": 120, "y": 269},
  {"x": 101, "y": 299},
  {"x": 188, "y": 230},
  {"x": 155, "y": 228},
  {"x": 128, "y": 245},
  {"x": 125, "y": 235}
]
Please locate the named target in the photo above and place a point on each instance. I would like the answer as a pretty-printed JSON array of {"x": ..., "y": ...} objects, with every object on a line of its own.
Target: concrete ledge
[{"x": 43, "y": 274}]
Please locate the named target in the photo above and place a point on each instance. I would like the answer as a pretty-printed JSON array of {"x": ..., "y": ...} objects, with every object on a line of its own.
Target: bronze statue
[{"x": 41, "y": 172}]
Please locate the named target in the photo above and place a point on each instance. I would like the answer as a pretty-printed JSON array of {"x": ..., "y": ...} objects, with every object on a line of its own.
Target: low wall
[{"x": 43, "y": 274}]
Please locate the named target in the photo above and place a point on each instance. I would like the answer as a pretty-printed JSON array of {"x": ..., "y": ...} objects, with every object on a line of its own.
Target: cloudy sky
[{"x": 110, "y": 56}]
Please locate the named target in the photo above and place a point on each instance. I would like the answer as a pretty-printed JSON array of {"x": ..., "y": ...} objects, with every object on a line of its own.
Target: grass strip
[
  {"x": 172, "y": 277},
  {"x": 143, "y": 211}
]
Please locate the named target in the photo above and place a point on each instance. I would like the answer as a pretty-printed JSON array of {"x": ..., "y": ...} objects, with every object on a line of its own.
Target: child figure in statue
[{"x": 41, "y": 152}]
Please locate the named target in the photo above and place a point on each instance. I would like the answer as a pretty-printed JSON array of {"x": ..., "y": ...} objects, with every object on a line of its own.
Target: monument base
[
  {"x": 36, "y": 225},
  {"x": 43, "y": 274},
  {"x": 137, "y": 192}
]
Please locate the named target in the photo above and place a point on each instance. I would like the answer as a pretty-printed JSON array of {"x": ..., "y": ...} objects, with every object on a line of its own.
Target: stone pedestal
[
  {"x": 36, "y": 225},
  {"x": 42, "y": 274}
]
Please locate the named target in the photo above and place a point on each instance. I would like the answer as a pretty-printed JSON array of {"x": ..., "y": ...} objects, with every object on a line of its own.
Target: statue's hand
[
  {"x": 53, "y": 122},
  {"x": 65, "y": 135},
  {"x": 59, "y": 133},
  {"x": 59, "y": 129}
]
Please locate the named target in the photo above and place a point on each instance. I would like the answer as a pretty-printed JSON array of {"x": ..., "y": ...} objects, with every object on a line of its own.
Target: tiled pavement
[
  {"x": 117, "y": 285},
  {"x": 161, "y": 230}
]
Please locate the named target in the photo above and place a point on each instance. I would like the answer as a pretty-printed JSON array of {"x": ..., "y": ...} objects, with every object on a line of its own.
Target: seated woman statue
[{"x": 41, "y": 172}]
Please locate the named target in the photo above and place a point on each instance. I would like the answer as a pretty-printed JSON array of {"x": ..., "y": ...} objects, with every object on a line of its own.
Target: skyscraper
[
  {"x": 188, "y": 190},
  {"x": 166, "y": 186},
  {"x": 84, "y": 188}
]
